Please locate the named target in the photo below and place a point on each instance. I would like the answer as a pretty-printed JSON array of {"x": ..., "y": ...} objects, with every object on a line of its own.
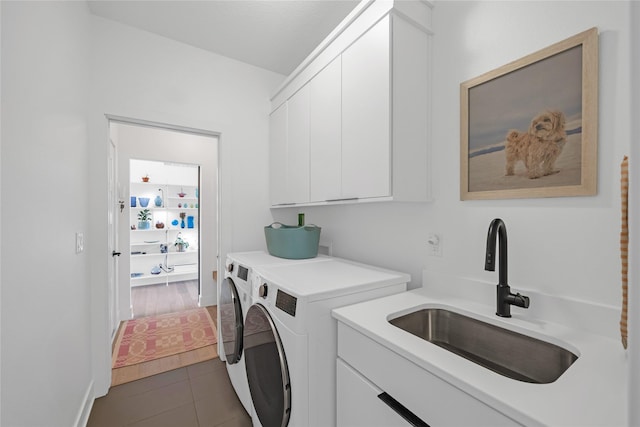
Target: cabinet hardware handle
[
  {"x": 401, "y": 410},
  {"x": 114, "y": 253},
  {"x": 346, "y": 199}
]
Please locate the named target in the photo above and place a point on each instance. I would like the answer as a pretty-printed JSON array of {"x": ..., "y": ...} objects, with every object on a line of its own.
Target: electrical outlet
[
  {"x": 79, "y": 242},
  {"x": 435, "y": 244}
]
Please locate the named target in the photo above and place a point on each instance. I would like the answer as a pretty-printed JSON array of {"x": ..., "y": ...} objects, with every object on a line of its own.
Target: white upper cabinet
[
  {"x": 289, "y": 151},
  {"x": 298, "y": 147},
  {"x": 325, "y": 139},
  {"x": 366, "y": 156},
  {"x": 352, "y": 122},
  {"x": 278, "y": 155}
]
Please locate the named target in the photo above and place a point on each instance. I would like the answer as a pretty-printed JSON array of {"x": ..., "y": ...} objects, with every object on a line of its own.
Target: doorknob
[
  {"x": 121, "y": 202},
  {"x": 114, "y": 253}
]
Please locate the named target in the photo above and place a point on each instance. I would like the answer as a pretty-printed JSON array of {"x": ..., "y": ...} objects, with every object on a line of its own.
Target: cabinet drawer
[
  {"x": 433, "y": 400},
  {"x": 358, "y": 403}
]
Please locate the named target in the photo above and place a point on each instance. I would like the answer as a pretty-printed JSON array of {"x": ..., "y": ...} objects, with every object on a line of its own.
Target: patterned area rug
[{"x": 149, "y": 338}]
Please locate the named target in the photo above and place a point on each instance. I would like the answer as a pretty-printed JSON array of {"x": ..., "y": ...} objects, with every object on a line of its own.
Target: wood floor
[
  {"x": 160, "y": 299},
  {"x": 152, "y": 300}
]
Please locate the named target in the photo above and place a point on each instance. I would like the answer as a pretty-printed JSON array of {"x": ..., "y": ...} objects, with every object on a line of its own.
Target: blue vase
[
  {"x": 158, "y": 201},
  {"x": 189, "y": 222},
  {"x": 133, "y": 201},
  {"x": 144, "y": 201},
  {"x": 182, "y": 224}
]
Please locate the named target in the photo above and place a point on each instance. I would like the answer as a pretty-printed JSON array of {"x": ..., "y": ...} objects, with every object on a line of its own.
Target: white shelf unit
[{"x": 145, "y": 244}]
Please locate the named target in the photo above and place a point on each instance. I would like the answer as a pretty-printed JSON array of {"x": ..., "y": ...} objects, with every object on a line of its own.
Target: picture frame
[{"x": 529, "y": 129}]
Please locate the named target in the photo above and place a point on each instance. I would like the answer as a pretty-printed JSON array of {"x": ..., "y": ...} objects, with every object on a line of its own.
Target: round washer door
[
  {"x": 267, "y": 370},
  {"x": 230, "y": 321}
]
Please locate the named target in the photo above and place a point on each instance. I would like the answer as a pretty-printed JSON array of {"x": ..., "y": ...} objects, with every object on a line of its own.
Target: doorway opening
[
  {"x": 173, "y": 162},
  {"x": 164, "y": 220},
  {"x": 165, "y": 228}
]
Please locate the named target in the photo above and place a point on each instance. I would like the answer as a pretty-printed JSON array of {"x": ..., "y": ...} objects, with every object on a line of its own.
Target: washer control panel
[
  {"x": 286, "y": 303},
  {"x": 243, "y": 272}
]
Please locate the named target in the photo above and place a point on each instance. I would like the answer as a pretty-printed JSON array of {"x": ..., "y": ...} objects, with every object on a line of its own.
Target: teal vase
[{"x": 158, "y": 201}]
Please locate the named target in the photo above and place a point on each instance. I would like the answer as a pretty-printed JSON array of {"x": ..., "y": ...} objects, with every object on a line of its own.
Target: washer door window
[
  {"x": 230, "y": 321},
  {"x": 267, "y": 370}
]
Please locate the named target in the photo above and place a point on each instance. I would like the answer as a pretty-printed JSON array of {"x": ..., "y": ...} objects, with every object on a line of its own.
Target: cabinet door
[
  {"x": 278, "y": 155},
  {"x": 298, "y": 147},
  {"x": 366, "y": 115},
  {"x": 325, "y": 134}
]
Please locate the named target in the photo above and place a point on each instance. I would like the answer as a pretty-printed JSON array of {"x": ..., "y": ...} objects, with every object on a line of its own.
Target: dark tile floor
[{"x": 199, "y": 395}]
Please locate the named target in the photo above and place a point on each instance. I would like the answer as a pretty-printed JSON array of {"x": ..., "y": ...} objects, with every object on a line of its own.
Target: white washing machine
[
  {"x": 290, "y": 338},
  {"x": 234, "y": 299}
]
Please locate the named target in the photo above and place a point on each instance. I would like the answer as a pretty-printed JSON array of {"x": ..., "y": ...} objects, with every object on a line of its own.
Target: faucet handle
[{"x": 522, "y": 301}]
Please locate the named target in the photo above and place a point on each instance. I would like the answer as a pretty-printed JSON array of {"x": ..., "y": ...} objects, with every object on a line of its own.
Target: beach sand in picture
[{"x": 487, "y": 171}]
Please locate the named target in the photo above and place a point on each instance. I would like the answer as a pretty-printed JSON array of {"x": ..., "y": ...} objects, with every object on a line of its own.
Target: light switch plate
[{"x": 79, "y": 242}]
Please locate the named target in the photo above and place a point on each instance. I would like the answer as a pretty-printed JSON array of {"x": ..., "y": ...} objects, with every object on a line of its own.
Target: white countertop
[{"x": 593, "y": 391}]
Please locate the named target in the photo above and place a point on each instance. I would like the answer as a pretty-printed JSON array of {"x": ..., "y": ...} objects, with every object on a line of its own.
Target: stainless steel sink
[{"x": 508, "y": 353}]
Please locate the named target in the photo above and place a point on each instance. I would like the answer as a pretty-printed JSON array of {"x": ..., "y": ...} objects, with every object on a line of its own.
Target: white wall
[
  {"x": 46, "y": 371},
  {"x": 0, "y": 217},
  {"x": 143, "y": 76},
  {"x": 560, "y": 246},
  {"x": 634, "y": 224}
]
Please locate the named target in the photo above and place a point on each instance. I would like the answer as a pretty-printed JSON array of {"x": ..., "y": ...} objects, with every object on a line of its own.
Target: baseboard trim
[
  {"x": 83, "y": 414},
  {"x": 206, "y": 301}
]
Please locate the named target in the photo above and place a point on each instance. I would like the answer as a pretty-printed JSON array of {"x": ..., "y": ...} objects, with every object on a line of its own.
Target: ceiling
[{"x": 273, "y": 34}]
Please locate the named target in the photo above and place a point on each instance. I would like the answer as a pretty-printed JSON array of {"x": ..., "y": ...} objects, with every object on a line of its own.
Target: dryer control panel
[
  {"x": 286, "y": 303},
  {"x": 243, "y": 272}
]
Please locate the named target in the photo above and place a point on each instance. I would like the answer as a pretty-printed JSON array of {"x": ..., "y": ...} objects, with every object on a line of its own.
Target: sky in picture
[{"x": 512, "y": 100}]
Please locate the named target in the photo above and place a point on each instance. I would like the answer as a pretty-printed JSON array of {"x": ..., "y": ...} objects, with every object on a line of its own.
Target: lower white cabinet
[
  {"x": 374, "y": 369},
  {"x": 359, "y": 404}
]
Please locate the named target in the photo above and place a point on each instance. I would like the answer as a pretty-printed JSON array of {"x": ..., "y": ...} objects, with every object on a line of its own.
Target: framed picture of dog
[{"x": 529, "y": 129}]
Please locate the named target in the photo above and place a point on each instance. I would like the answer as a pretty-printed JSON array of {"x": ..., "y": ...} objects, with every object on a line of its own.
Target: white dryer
[
  {"x": 290, "y": 338},
  {"x": 234, "y": 299}
]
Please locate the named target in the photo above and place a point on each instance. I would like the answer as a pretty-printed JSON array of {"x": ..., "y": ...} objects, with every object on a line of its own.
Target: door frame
[
  {"x": 113, "y": 249},
  {"x": 110, "y": 118}
]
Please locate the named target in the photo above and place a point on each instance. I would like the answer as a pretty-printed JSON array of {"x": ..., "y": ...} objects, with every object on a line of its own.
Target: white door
[{"x": 115, "y": 205}]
